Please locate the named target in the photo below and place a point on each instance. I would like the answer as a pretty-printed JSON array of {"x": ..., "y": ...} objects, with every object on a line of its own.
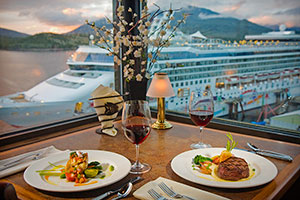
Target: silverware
[
  {"x": 172, "y": 193},
  {"x": 155, "y": 195},
  {"x": 106, "y": 194},
  {"x": 271, "y": 154},
  {"x": 124, "y": 191},
  {"x": 32, "y": 156}
]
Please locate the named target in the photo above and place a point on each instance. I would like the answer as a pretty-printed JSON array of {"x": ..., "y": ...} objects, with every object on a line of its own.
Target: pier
[{"x": 233, "y": 104}]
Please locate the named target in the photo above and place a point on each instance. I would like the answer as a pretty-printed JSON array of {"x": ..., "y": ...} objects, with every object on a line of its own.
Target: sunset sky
[{"x": 60, "y": 16}]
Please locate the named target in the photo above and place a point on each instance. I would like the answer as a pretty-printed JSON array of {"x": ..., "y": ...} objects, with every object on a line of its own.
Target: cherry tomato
[{"x": 70, "y": 177}]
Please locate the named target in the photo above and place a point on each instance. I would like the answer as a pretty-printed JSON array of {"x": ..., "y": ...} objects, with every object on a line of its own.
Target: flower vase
[{"x": 137, "y": 89}]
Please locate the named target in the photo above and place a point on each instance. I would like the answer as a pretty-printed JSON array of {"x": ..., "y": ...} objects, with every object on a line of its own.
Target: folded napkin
[
  {"x": 51, "y": 150},
  {"x": 107, "y": 103},
  {"x": 142, "y": 192}
]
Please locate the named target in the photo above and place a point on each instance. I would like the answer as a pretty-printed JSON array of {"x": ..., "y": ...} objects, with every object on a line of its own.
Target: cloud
[
  {"x": 24, "y": 13},
  {"x": 58, "y": 12},
  {"x": 59, "y": 18},
  {"x": 71, "y": 13},
  {"x": 293, "y": 11}
]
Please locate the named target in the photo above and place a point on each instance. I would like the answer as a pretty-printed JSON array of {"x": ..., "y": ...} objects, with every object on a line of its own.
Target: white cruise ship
[
  {"x": 250, "y": 73},
  {"x": 64, "y": 95}
]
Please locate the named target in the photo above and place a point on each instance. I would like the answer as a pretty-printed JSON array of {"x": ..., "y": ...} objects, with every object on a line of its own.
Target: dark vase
[{"x": 137, "y": 89}]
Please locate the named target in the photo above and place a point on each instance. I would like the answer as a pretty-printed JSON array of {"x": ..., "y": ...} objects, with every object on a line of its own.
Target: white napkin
[
  {"x": 107, "y": 103},
  {"x": 142, "y": 192},
  {"x": 51, "y": 150}
]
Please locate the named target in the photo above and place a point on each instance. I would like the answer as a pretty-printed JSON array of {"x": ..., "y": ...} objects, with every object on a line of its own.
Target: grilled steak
[{"x": 233, "y": 169}]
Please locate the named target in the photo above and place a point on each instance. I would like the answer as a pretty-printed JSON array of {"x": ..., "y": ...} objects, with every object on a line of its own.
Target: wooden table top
[{"x": 158, "y": 150}]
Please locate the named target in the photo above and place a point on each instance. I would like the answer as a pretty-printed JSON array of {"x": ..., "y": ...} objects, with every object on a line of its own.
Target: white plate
[
  {"x": 265, "y": 170},
  {"x": 121, "y": 168}
]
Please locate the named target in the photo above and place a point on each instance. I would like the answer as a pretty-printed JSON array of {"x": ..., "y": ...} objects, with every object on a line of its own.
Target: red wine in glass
[
  {"x": 201, "y": 110},
  {"x": 201, "y": 117},
  {"x": 137, "y": 133},
  {"x": 136, "y": 123}
]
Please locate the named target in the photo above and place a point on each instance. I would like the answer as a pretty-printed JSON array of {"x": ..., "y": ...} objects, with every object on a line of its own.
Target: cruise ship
[
  {"x": 64, "y": 95},
  {"x": 242, "y": 75}
]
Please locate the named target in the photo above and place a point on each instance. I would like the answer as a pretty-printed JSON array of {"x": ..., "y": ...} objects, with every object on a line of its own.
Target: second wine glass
[
  {"x": 201, "y": 110},
  {"x": 136, "y": 123}
]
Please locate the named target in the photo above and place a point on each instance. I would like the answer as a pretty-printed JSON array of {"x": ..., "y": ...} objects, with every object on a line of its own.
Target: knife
[
  {"x": 271, "y": 154},
  {"x": 106, "y": 194},
  {"x": 31, "y": 156}
]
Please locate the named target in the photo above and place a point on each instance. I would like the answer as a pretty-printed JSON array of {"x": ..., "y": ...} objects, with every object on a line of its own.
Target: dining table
[{"x": 158, "y": 150}]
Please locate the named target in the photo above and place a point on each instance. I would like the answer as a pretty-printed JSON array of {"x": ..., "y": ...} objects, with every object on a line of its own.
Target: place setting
[{"x": 50, "y": 169}]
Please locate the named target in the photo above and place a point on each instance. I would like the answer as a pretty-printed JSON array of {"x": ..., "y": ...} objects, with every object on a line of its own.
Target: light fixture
[{"x": 160, "y": 88}]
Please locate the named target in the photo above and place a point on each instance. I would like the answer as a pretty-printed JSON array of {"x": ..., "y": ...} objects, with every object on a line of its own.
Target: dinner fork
[
  {"x": 155, "y": 195},
  {"x": 171, "y": 193}
]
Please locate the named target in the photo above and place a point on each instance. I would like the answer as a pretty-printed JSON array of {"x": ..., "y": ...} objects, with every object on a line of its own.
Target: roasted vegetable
[{"x": 91, "y": 173}]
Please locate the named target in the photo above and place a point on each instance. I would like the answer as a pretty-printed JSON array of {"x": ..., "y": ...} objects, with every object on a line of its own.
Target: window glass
[
  {"x": 253, "y": 75},
  {"x": 248, "y": 53},
  {"x": 49, "y": 67}
]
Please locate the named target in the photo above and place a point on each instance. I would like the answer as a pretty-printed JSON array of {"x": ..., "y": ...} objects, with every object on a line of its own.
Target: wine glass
[
  {"x": 201, "y": 110},
  {"x": 136, "y": 123}
]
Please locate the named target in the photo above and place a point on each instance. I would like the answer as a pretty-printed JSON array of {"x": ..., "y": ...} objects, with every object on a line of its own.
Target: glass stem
[
  {"x": 201, "y": 135},
  {"x": 137, "y": 154}
]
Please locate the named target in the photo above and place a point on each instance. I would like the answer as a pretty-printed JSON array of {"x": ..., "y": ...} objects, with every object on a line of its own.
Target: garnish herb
[
  {"x": 230, "y": 143},
  {"x": 94, "y": 163}
]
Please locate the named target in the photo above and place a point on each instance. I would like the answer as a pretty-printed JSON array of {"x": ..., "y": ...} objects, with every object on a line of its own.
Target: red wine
[
  {"x": 201, "y": 117},
  {"x": 137, "y": 133}
]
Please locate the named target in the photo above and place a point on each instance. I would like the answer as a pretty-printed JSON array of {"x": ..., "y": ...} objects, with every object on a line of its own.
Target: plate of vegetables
[
  {"x": 224, "y": 168},
  {"x": 74, "y": 171}
]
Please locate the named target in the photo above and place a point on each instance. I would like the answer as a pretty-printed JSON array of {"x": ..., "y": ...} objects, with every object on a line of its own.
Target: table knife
[
  {"x": 32, "y": 156},
  {"x": 106, "y": 194},
  {"x": 271, "y": 154}
]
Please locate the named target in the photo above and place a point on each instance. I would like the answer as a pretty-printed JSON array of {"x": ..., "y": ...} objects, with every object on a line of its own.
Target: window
[{"x": 241, "y": 62}]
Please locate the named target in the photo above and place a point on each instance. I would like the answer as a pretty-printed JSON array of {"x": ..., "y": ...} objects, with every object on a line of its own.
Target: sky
[{"x": 61, "y": 16}]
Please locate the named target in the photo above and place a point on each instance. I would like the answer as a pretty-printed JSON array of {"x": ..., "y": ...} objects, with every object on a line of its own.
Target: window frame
[{"x": 21, "y": 137}]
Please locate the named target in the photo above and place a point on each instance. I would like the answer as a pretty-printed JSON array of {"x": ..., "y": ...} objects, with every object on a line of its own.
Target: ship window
[
  {"x": 83, "y": 74},
  {"x": 64, "y": 83}
]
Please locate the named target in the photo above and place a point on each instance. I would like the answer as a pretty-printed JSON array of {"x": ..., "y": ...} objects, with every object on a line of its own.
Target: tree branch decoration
[{"x": 138, "y": 49}]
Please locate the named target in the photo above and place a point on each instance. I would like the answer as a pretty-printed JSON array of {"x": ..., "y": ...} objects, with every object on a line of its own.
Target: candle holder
[{"x": 160, "y": 88}]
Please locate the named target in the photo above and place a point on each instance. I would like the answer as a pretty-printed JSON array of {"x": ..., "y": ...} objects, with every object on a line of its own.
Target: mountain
[
  {"x": 86, "y": 29},
  {"x": 10, "y": 33},
  {"x": 214, "y": 25},
  {"x": 46, "y": 41},
  {"x": 209, "y": 23}
]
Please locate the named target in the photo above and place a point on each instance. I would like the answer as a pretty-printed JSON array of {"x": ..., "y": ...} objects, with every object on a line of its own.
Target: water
[{"x": 21, "y": 70}]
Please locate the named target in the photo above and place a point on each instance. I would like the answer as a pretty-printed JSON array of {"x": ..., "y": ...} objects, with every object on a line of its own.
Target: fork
[
  {"x": 155, "y": 195},
  {"x": 171, "y": 193}
]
